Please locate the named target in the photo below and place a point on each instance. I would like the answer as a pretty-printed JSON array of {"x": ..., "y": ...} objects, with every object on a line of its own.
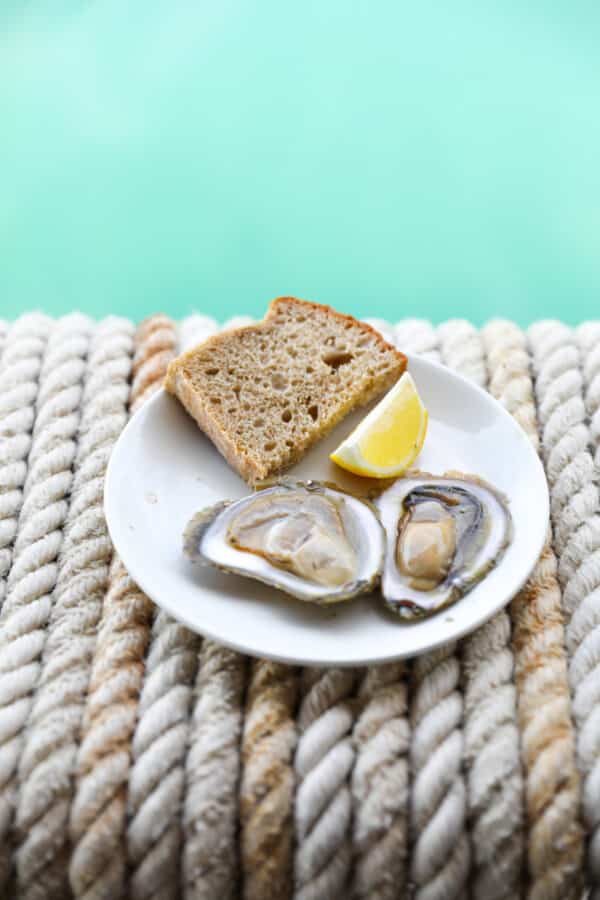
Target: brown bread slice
[{"x": 265, "y": 393}]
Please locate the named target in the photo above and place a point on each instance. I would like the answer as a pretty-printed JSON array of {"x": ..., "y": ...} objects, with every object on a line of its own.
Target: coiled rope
[
  {"x": 47, "y": 763},
  {"x": 440, "y": 858},
  {"x": 98, "y": 864},
  {"x": 21, "y": 364},
  {"x": 268, "y": 782},
  {"x": 554, "y": 833},
  {"x": 573, "y": 479},
  {"x": 211, "y": 865},
  {"x": 588, "y": 337},
  {"x": 323, "y": 765},
  {"x": 380, "y": 785},
  {"x": 30, "y": 584},
  {"x": 491, "y": 736}
]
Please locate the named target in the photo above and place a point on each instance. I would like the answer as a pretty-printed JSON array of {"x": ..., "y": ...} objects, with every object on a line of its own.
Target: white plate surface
[{"x": 163, "y": 469}]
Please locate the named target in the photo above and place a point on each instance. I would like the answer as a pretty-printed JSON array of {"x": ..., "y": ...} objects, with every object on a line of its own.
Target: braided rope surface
[{"x": 137, "y": 760}]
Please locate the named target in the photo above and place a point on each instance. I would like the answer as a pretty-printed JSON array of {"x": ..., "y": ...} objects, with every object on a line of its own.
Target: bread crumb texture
[{"x": 265, "y": 393}]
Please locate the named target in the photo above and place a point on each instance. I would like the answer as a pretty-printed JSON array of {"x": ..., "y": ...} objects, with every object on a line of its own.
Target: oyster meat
[
  {"x": 305, "y": 538},
  {"x": 444, "y": 534}
]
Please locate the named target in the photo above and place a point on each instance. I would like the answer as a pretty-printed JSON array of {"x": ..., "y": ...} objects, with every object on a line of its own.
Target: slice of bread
[{"x": 265, "y": 393}]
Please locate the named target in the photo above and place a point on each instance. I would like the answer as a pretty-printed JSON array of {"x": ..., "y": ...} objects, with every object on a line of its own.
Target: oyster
[
  {"x": 444, "y": 534},
  {"x": 305, "y": 538}
]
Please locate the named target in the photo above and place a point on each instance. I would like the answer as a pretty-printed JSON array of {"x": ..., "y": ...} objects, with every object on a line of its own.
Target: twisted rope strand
[
  {"x": 47, "y": 762},
  {"x": 267, "y": 787},
  {"x": 491, "y": 736},
  {"x": 588, "y": 337},
  {"x": 574, "y": 496},
  {"x": 194, "y": 329},
  {"x": 237, "y": 322},
  {"x": 98, "y": 863},
  {"x": 210, "y": 855},
  {"x": 3, "y": 334},
  {"x": 555, "y": 839},
  {"x": 441, "y": 855},
  {"x": 380, "y": 785},
  {"x": 159, "y": 745},
  {"x": 21, "y": 365},
  {"x": 417, "y": 336},
  {"x": 440, "y": 862},
  {"x": 323, "y": 763},
  {"x": 32, "y": 577},
  {"x": 210, "y": 816}
]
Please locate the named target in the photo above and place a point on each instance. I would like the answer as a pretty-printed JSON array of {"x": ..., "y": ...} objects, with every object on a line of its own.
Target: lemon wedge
[{"x": 389, "y": 438}]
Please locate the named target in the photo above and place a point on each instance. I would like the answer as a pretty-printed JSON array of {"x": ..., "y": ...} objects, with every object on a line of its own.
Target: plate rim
[{"x": 140, "y": 579}]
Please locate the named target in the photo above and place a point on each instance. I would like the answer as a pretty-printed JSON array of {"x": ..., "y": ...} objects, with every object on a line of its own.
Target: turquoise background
[{"x": 389, "y": 158}]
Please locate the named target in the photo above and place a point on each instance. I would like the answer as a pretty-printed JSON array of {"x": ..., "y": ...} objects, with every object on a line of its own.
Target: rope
[
  {"x": 323, "y": 763},
  {"x": 155, "y": 347},
  {"x": 380, "y": 781},
  {"x": 195, "y": 329},
  {"x": 156, "y": 782},
  {"x": 588, "y": 337},
  {"x": 380, "y": 785},
  {"x": 554, "y": 838},
  {"x": 237, "y": 322},
  {"x": 210, "y": 816},
  {"x": 440, "y": 861},
  {"x": 21, "y": 363},
  {"x": 576, "y": 526},
  {"x": 441, "y": 855},
  {"x": 267, "y": 787},
  {"x": 210, "y": 859},
  {"x": 32, "y": 577},
  {"x": 98, "y": 863},
  {"x": 159, "y": 744},
  {"x": 491, "y": 736},
  {"x": 3, "y": 334},
  {"x": 47, "y": 762},
  {"x": 417, "y": 336}
]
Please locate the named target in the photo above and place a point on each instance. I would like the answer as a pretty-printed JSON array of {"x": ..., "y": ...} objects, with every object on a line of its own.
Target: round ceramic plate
[{"x": 163, "y": 470}]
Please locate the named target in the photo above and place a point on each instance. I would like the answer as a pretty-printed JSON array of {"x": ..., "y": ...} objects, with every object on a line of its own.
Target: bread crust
[{"x": 342, "y": 317}]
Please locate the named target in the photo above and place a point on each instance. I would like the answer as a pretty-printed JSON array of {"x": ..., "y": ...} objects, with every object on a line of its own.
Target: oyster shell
[
  {"x": 305, "y": 538},
  {"x": 444, "y": 534}
]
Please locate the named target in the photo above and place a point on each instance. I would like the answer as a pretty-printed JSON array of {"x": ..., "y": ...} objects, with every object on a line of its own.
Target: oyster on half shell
[
  {"x": 305, "y": 538},
  {"x": 444, "y": 534}
]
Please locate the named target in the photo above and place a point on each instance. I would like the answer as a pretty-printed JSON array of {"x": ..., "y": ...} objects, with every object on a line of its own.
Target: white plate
[{"x": 163, "y": 469}]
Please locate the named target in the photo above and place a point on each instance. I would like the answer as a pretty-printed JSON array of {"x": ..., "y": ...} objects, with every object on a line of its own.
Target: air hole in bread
[
  {"x": 330, "y": 341},
  {"x": 363, "y": 341},
  {"x": 309, "y": 370},
  {"x": 337, "y": 358},
  {"x": 215, "y": 400},
  {"x": 259, "y": 423},
  {"x": 270, "y": 446},
  {"x": 278, "y": 381},
  {"x": 291, "y": 352},
  {"x": 286, "y": 415},
  {"x": 212, "y": 371},
  {"x": 313, "y": 412},
  {"x": 289, "y": 444}
]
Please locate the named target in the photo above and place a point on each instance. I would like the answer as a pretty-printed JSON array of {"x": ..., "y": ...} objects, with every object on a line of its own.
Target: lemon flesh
[{"x": 389, "y": 438}]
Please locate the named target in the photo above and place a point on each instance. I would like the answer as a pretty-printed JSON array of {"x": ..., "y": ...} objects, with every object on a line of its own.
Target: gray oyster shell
[
  {"x": 472, "y": 527},
  {"x": 206, "y": 541}
]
